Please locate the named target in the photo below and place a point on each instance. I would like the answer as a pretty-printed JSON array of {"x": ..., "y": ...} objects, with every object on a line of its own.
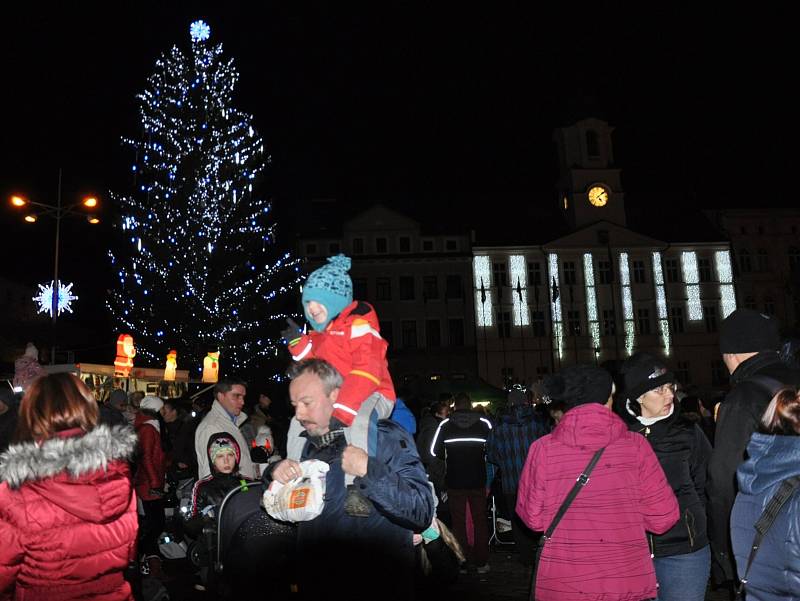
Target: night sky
[{"x": 436, "y": 112}]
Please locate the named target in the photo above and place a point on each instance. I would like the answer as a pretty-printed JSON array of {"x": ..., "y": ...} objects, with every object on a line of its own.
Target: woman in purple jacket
[{"x": 599, "y": 549}]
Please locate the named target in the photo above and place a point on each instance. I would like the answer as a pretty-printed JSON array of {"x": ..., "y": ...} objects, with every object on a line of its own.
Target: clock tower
[{"x": 589, "y": 187}]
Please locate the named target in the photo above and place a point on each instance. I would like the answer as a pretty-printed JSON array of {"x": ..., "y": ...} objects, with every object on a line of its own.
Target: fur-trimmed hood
[{"x": 86, "y": 476}]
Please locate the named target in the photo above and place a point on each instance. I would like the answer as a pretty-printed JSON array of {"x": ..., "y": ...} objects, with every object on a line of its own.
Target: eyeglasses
[{"x": 664, "y": 389}]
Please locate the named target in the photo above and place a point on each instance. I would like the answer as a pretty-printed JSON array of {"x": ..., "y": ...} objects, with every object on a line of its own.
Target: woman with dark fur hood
[
  {"x": 648, "y": 405},
  {"x": 67, "y": 509}
]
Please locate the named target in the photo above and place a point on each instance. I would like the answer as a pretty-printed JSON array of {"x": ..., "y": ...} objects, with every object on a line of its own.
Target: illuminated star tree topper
[{"x": 62, "y": 303}]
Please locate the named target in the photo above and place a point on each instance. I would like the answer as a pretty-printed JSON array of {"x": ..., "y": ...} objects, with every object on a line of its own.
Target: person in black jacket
[
  {"x": 461, "y": 441},
  {"x": 682, "y": 556},
  {"x": 749, "y": 342}
]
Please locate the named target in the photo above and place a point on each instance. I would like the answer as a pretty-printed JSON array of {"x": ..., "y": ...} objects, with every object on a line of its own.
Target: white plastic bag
[{"x": 300, "y": 500}]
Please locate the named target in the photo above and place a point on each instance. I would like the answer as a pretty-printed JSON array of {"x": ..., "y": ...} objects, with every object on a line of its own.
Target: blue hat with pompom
[{"x": 330, "y": 286}]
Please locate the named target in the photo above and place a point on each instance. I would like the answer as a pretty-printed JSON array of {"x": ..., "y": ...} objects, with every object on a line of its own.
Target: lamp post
[{"x": 56, "y": 211}]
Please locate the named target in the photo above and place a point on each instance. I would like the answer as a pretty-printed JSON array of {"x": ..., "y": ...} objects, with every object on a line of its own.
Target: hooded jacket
[
  {"x": 68, "y": 517},
  {"x": 510, "y": 440},
  {"x": 775, "y": 573},
  {"x": 738, "y": 417},
  {"x": 683, "y": 452},
  {"x": 599, "y": 549},
  {"x": 150, "y": 462},
  {"x": 461, "y": 441}
]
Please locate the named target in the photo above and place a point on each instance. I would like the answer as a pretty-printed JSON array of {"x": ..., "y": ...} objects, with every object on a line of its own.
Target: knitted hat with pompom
[{"x": 330, "y": 286}]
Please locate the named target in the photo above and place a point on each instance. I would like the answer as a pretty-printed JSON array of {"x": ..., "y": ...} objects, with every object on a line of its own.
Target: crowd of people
[{"x": 617, "y": 486}]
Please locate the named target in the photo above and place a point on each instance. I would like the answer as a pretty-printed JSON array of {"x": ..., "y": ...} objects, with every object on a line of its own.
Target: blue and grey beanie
[{"x": 331, "y": 287}]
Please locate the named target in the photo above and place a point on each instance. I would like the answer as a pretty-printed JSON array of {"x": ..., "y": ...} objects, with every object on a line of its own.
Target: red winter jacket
[
  {"x": 352, "y": 343},
  {"x": 151, "y": 462},
  {"x": 68, "y": 518},
  {"x": 599, "y": 549}
]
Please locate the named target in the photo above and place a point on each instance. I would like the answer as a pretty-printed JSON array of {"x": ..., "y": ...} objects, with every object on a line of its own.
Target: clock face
[{"x": 598, "y": 196}]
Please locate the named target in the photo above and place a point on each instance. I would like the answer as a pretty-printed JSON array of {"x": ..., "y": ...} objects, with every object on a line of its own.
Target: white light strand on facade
[
  {"x": 661, "y": 302},
  {"x": 482, "y": 269},
  {"x": 627, "y": 302},
  {"x": 692, "y": 278},
  {"x": 725, "y": 273},
  {"x": 591, "y": 300},
  {"x": 558, "y": 327},
  {"x": 519, "y": 292}
]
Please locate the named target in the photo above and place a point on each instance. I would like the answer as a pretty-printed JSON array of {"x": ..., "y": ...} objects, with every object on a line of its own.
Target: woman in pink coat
[{"x": 599, "y": 551}]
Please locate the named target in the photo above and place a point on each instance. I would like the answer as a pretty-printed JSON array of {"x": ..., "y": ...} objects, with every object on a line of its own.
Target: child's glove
[{"x": 292, "y": 333}]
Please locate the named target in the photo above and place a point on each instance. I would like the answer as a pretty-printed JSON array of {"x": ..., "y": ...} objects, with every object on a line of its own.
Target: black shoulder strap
[
  {"x": 579, "y": 483},
  {"x": 766, "y": 520}
]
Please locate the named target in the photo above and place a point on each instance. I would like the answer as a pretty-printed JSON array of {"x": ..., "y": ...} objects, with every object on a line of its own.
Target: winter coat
[
  {"x": 775, "y": 573},
  {"x": 683, "y": 452},
  {"x": 509, "y": 441},
  {"x": 738, "y": 417},
  {"x": 599, "y": 549},
  {"x": 151, "y": 461},
  {"x": 218, "y": 420},
  {"x": 461, "y": 441},
  {"x": 352, "y": 343},
  {"x": 428, "y": 426},
  {"x": 68, "y": 517},
  {"x": 368, "y": 549}
]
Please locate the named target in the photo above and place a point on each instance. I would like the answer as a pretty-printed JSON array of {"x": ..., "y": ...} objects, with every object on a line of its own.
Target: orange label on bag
[{"x": 298, "y": 498}]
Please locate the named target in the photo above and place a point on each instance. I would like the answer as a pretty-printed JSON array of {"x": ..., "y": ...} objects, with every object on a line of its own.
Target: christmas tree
[{"x": 199, "y": 266}]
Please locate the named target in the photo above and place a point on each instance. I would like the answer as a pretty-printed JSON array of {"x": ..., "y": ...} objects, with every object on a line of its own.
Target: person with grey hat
[
  {"x": 648, "y": 405},
  {"x": 749, "y": 342}
]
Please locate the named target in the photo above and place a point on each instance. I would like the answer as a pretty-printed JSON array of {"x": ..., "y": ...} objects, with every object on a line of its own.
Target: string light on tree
[
  {"x": 45, "y": 298},
  {"x": 197, "y": 260}
]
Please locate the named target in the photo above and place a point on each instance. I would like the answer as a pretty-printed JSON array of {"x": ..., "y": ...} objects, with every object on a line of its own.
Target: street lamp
[{"x": 57, "y": 212}]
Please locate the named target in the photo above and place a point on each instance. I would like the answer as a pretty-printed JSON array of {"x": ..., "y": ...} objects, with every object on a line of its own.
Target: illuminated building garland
[
  {"x": 627, "y": 303},
  {"x": 519, "y": 292},
  {"x": 661, "y": 302},
  {"x": 591, "y": 300},
  {"x": 692, "y": 278},
  {"x": 482, "y": 270},
  {"x": 726, "y": 291},
  {"x": 558, "y": 325}
]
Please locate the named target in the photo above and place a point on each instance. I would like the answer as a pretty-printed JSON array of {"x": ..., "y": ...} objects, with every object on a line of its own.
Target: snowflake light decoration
[
  {"x": 200, "y": 31},
  {"x": 45, "y": 298}
]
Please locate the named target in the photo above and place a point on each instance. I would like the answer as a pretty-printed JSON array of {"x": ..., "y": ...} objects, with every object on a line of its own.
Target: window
[
  {"x": 604, "y": 272},
  {"x": 427, "y": 246},
  {"x": 504, "y": 324},
  {"x": 358, "y": 246},
  {"x": 334, "y": 248},
  {"x": 704, "y": 269},
  {"x": 710, "y": 317},
  {"x": 643, "y": 321},
  {"x": 404, "y": 244},
  {"x": 381, "y": 245},
  {"x": 311, "y": 249},
  {"x": 430, "y": 287},
  {"x": 609, "y": 323},
  {"x": 639, "y": 274},
  {"x": 409, "y": 333},
  {"x": 750, "y": 303},
  {"x": 455, "y": 328},
  {"x": 682, "y": 372},
  {"x": 574, "y": 323},
  {"x": 676, "y": 320},
  {"x": 386, "y": 332},
  {"x": 745, "y": 265},
  {"x": 451, "y": 245},
  {"x": 719, "y": 373},
  {"x": 569, "y": 273},
  {"x": 453, "y": 287},
  {"x": 763, "y": 259},
  {"x": 794, "y": 259},
  {"x": 499, "y": 274},
  {"x": 360, "y": 288},
  {"x": 672, "y": 273},
  {"x": 537, "y": 323},
  {"x": 433, "y": 333},
  {"x": 769, "y": 305},
  {"x": 592, "y": 144},
  {"x": 406, "y": 287},
  {"x": 383, "y": 289},
  {"x": 534, "y": 274}
]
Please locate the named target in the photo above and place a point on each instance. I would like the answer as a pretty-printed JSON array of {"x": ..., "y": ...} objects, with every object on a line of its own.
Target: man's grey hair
[
  {"x": 227, "y": 384},
  {"x": 327, "y": 373}
]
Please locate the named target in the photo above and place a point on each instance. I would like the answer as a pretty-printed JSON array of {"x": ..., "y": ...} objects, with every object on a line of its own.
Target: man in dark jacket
[
  {"x": 439, "y": 410},
  {"x": 345, "y": 556},
  {"x": 461, "y": 441},
  {"x": 749, "y": 342}
]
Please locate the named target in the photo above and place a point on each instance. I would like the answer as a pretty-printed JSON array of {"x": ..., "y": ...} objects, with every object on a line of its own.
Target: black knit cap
[
  {"x": 748, "y": 331},
  {"x": 643, "y": 372},
  {"x": 578, "y": 385}
]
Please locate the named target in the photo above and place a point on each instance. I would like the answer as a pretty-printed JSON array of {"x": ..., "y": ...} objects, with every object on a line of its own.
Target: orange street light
[
  {"x": 90, "y": 201},
  {"x": 18, "y": 201},
  {"x": 93, "y": 219},
  {"x": 31, "y": 218}
]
